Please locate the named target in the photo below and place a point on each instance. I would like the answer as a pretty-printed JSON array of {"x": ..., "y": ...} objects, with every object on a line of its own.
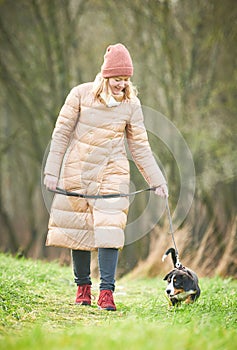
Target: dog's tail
[{"x": 173, "y": 255}]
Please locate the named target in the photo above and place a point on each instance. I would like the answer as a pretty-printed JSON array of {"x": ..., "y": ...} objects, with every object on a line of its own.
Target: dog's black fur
[{"x": 182, "y": 282}]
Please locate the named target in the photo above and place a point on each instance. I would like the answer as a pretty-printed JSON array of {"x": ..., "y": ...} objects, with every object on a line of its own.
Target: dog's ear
[
  {"x": 168, "y": 275},
  {"x": 189, "y": 274},
  {"x": 188, "y": 282}
]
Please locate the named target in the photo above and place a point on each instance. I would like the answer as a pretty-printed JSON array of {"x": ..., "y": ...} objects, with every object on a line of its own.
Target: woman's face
[{"x": 118, "y": 84}]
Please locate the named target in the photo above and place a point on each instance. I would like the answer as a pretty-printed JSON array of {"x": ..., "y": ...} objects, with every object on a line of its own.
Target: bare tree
[{"x": 184, "y": 53}]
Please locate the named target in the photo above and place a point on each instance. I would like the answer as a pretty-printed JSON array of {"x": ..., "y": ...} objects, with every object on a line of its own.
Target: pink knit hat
[{"x": 117, "y": 62}]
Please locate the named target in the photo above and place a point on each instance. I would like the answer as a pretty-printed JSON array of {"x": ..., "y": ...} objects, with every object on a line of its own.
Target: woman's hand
[
  {"x": 50, "y": 182},
  {"x": 162, "y": 191}
]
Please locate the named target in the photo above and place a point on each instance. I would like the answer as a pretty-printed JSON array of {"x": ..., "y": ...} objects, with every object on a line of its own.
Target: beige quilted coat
[{"x": 88, "y": 151}]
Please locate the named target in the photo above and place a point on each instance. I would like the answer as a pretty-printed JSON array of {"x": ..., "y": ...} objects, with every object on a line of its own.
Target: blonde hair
[{"x": 102, "y": 85}]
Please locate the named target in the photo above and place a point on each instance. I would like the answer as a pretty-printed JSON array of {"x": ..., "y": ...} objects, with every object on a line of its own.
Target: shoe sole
[{"x": 107, "y": 308}]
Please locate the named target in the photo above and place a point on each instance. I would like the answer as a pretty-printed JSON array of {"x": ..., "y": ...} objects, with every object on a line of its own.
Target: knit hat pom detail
[{"x": 117, "y": 62}]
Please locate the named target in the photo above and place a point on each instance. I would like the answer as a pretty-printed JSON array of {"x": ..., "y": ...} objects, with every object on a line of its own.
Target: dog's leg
[{"x": 189, "y": 300}]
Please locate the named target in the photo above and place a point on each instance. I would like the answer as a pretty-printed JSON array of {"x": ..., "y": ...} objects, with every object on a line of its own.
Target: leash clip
[{"x": 178, "y": 264}]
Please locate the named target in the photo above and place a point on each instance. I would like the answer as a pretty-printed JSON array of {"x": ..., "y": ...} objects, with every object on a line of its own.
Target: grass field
[{"x": 38, "y": 312}]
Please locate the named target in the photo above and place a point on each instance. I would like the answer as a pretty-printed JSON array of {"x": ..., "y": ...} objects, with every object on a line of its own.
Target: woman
[{"x": 88, "y": 155}]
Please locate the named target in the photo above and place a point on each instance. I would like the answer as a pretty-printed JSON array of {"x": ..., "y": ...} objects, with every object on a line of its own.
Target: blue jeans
[{"x": 107, "y": 259}]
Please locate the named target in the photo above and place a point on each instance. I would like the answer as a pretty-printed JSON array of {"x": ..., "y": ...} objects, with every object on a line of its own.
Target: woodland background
[{"x": 185, "y": 59}]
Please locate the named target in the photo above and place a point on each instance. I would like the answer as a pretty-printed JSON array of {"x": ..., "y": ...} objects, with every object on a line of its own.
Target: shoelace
[
  {"x": 84, "y": 292},
  {"x": 106, "y": 297}
]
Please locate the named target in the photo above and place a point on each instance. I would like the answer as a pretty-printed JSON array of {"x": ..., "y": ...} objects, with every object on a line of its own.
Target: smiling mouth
[{"x": 119, "y": 89}]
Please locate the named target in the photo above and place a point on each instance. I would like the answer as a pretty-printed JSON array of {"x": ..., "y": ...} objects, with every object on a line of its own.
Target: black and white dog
[{"x": 182, "y": 282}]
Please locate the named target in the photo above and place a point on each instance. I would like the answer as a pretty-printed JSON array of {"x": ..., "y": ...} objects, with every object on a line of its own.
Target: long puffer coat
[{"x": 88, "y": 153}]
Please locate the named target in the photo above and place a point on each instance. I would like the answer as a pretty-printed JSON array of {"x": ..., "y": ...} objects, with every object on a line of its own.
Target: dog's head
[{"x": 181, "y": 286}]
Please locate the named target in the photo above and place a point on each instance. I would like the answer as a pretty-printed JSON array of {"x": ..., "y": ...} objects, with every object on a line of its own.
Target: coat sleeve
[
  {"x": 65, "y": 125},
  {"x": 140, "y": 148}
]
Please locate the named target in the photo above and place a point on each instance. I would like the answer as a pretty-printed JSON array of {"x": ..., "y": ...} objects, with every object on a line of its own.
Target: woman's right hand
[
  {"x": 162, "y": 191},
  {"x": 50, "y": 182}
]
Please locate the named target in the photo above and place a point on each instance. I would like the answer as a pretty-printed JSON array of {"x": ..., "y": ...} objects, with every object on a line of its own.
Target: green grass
[{"x": 37, "y": 312}]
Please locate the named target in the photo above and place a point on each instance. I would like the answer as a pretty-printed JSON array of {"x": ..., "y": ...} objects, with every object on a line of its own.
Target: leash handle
[
  {"x": 178, "y": 263},
  {"x": 99, "y": 196}
]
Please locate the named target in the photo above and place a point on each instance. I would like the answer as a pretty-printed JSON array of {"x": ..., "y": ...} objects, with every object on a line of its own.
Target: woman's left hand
[{"x": 162, "y": 191}]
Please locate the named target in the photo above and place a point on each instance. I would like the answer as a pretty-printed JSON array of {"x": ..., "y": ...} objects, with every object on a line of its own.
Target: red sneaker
[
  {"x": 106, "y": 300},
  {"x": 83, "y": 296}
]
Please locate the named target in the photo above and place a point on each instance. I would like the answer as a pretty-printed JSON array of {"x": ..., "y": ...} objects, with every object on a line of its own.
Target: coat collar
[{"x": 109, "y": 100}]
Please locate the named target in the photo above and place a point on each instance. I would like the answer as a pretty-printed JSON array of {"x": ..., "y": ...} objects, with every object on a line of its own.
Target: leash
[
  {"x": 178, "y": 263},
  {"x": 99, "y": 196},
  {"x": 119, "y": 195}
]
